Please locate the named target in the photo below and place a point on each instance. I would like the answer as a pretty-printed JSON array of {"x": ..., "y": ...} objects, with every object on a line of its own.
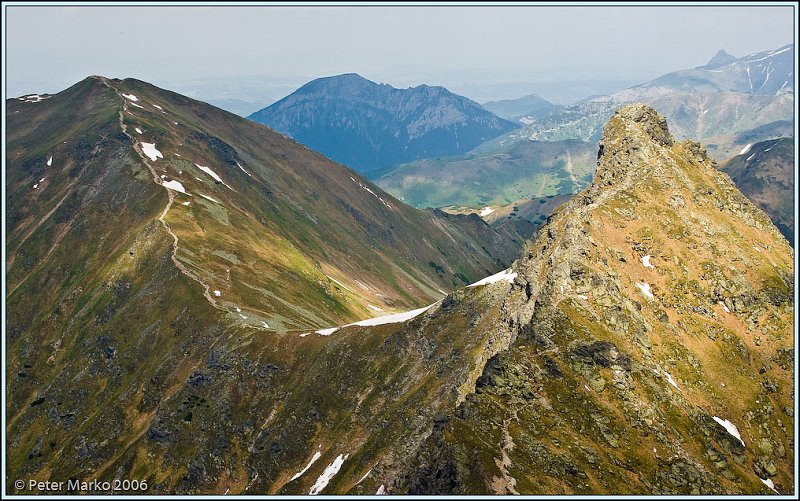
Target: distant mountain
[
  {"x": 720, "y": 58},
  {"x": 721, "y": 103},
  {"x": 767, "y": 72},
  {"x": 524, "y": 169},
  {"x": 765, "y": 173},
  {"x": 368, "y": 126},
  {"x": 532, "y": 105}
]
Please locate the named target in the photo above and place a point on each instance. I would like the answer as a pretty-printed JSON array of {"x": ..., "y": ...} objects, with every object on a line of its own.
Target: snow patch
[
  {"x": 50, "y": 162},
  {"x": 394, "y": 318},
  {"x": 485, "y": 211},
  {"x": 237, "y": 164},
  {"x": 217, "y": 293},
  {"x": 211, "y": 173},
  {"x": 745, "y": 149},
  {"x": 186, "y": 203},
  {"x": 134, "y": 104},
  {"x": 769, "y": 483},
  {"x": 373, "y": 308},
  {"x": 304, "y": 334},
  {"x": 724, "y": 307},
  {"x": 313, "y": 459},
  {"x": 671, "y": 381},
  {"x": 175, "y": 185},
  {"x": 208, "y": 198},
  {"x": 340, "y": 284},
  {"x": 365, "y": 187},
  {"x": 506, "y": 275},
  {"x": 131, "y": 97},
  {"x": 32, "y": 98},
  {"x": 137, "y": 129},
  {"x": 645, "y": 288},
  {"x": 732, "y": 429},
  {"x": 365, "y": 476},
  {"x": 750, "y": 157},
  {"x": 381, "y": 491},
  {"x": 266, "y": 325},
  {"x": 646, "y": 262},
  {"x": 327, "y": 475},
  {"x": 150, "y": 150}
]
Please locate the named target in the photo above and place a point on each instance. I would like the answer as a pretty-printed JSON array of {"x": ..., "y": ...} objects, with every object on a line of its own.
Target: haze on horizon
[{"x": 460, "y": 47}]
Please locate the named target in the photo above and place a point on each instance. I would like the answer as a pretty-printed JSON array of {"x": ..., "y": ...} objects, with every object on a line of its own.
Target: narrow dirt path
[{"x": 170, "y": 194}]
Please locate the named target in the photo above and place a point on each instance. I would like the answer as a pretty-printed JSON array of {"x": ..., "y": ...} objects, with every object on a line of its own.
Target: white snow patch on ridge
[
  {"x": 485, "y": 211},
  {"x": 394, "y": 318},
  {"x": 134, "y": 104},
  {"x": 506, "y": 275},
  {"x": 138, "y": 130},
  {"x": 175, "y": 185},
  {"x": 50, "y": 162},
  {"x": 724, "y": 307},
  {"x": 237, "y": 164},
  {"x": 211, "y": 173},
  {"x": 313, "y": 459},
  {"x": 150, "y": 150},
  {"x": 645, "y": 288},
  {"x": 208, "y": 198},
  {"x": 769, "y": 483},
  {"x": 131, "y": 97},
  {"x": 745, "y": 149},
  {"x": 732, "y": 429},
  {"x": 327, "y": 475},
  {"x": 646, "y": 262},
  {"x": 671, "y": 381}
]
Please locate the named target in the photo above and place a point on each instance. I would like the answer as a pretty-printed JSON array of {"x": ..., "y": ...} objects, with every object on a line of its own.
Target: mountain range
[
  {"x": 713, "y": 102},
  {"x": 190, "y": 302},
  {"x": 719, "y": 102},
  {"x": 531, "y": 105},
  {"x": 369, "y": 126}
]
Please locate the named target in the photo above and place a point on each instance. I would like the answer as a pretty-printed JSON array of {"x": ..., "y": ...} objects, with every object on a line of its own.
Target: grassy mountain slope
[
  {"x": 524, "y": 169},
  {"x": 115, "y": 332}
]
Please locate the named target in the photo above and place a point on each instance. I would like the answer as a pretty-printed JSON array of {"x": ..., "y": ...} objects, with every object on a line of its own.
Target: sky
[{"x": 219, "y": 47}]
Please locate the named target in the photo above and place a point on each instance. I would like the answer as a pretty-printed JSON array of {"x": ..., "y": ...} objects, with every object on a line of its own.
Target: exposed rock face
[{"x": 616, "y": 371}]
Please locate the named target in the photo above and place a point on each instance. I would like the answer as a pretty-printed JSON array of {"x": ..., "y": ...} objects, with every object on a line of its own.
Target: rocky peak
[{"x": 720, "y": 58}]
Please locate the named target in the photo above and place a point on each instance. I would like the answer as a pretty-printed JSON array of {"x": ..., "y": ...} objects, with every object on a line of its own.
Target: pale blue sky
[{"x": 50, "y": 48}]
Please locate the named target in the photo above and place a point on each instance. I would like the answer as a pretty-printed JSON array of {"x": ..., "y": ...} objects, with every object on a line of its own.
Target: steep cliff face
[{"x": 650, "y": 342}]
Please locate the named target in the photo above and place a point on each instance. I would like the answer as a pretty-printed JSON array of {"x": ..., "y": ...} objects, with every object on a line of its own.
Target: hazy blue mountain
[
  {"x": 767, "y": 72},
  {"x": 725, "y": 103},
  {"x": 719, "y": 59},
  {"x": 367, "y": 126},
  {"x": 533, "y": 105}
]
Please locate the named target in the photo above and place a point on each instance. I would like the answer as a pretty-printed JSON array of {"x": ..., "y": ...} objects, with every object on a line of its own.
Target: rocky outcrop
[{"x": 643, "y": 325}]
